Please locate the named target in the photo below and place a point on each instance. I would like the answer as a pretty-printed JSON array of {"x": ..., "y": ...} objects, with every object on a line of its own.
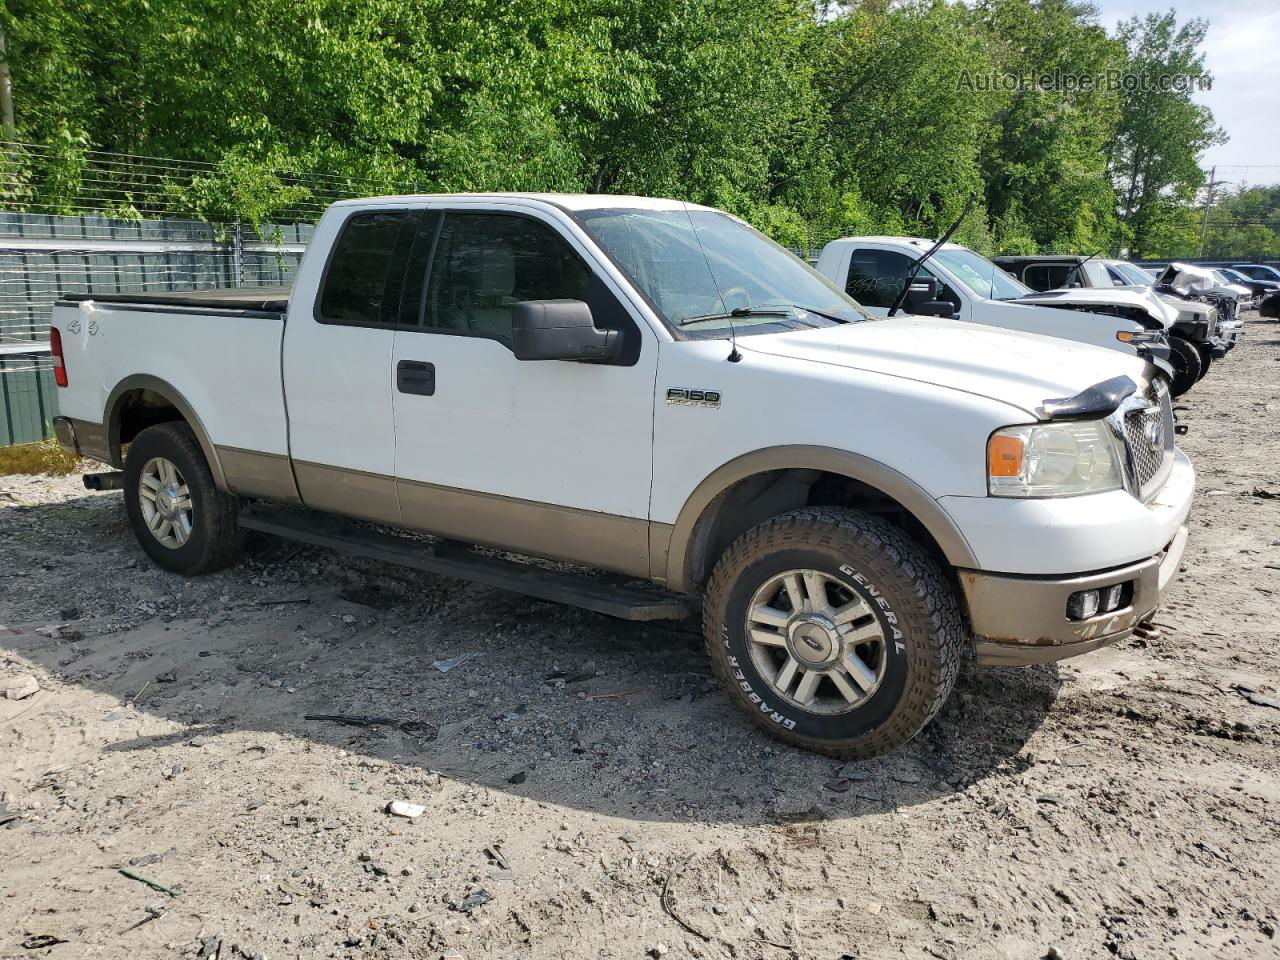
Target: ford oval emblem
[{"x": 1155, "y": 436}]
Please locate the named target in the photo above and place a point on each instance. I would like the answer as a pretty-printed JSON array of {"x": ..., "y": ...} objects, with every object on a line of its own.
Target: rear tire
[
  {"x": 181, "y": 519},
  {"x": 1185, "y": 360},
  {"x": 850, "y": 599}
]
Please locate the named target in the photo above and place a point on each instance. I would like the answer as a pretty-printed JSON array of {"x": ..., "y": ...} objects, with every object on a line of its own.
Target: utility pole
[{"x": 1208, "y": 202}]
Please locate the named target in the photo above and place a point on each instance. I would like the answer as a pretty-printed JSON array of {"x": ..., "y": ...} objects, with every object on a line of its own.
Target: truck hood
[
  {"x": 1084, "y": 297},
  {"x": 1022, "y": 369},
  {"x": 1188, "y": 279}
]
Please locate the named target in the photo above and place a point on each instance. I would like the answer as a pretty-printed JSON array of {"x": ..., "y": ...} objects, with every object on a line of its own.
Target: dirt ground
[{"x": 589, "y": 792}]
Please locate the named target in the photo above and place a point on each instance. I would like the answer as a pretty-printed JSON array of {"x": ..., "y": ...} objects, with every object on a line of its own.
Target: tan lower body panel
[
  {"x": 599, "y": 540},
  {"x": 365, "y": 496},
  {"x": 592, "y": 539},
  {"x": 253, "y": 474}
]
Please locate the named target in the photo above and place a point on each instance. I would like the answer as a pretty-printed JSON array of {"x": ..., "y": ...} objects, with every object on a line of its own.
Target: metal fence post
[{"x": 237, "y": 255}]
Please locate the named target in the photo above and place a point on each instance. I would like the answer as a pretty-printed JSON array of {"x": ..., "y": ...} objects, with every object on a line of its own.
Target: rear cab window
[{"x": 363, "y": 279}]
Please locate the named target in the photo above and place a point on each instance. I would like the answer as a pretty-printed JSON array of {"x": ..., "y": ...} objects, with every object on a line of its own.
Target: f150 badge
[{"x": 694, "y": 398}]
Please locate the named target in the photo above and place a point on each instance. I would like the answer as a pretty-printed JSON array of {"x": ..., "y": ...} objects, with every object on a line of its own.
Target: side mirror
[
  {"x": 936, "y": 308},
  {"x": 561, "y": 330},
  {"x": 922, "y": 299},
  {"x": 922, "y": 290}
]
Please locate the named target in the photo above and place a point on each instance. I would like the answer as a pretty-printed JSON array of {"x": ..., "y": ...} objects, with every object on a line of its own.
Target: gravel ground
[{"x": 588, "y": 791}]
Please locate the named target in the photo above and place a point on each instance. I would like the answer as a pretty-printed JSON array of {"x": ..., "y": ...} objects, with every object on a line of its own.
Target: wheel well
[
  {"x": 761, "y": 496},
  {"x": 134, "y": 412}
]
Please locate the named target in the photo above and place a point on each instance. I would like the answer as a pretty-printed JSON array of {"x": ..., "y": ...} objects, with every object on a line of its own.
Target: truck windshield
[
  {"x": 983, "y": 278},
  {"x": 704, "y": 270},
  {"x": 1133, "y": 273}
]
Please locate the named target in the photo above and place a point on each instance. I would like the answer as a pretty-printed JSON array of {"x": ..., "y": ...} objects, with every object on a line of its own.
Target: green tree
[
  {"x": 1043, "y": 157},
  {"x": 1245, "y": 223},
  {"x": 904, "y": 131},
  {"x": 1155, "y": 155}
]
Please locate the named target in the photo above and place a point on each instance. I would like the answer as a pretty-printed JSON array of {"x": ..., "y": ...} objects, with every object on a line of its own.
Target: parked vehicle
[
  {"x": 971, "y": 288},
  {"x": 1199, "y": 285},
  {"x": 1258, "y": 289},
  {"x": 653, "y": 390},
  {"x": 1258, "y": 271},
  {"x": 1269, "y": 304},
  {"x": 1243, "y": 295},
  {"x": 1194, "y": 334},
  {"x": 1197, "y": 321}
]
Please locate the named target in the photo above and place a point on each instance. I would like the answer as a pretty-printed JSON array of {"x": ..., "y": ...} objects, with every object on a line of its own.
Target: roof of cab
[{"x": 567, "y": 201}]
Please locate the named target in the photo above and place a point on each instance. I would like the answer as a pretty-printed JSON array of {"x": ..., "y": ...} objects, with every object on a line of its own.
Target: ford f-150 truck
[{"x": 671, "y": 407}]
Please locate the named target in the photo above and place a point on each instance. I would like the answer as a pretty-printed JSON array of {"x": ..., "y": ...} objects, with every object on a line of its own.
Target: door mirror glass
[{"x": 561, "y": 330}]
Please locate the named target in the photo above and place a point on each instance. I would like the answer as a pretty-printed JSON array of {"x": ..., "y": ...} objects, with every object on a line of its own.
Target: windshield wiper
[
  {"x": 834, "y": 318},
  {"x": 741, "y": 312},
  {"x": 771, "y": 310}
]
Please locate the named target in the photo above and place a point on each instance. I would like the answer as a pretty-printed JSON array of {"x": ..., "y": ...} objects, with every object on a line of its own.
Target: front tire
[
  {"x": 181, "y": 519},
  {"x": 1206, "y": 359},
  {"x": 1185, "y": 360},
  {"x": 834, "y": 631}
]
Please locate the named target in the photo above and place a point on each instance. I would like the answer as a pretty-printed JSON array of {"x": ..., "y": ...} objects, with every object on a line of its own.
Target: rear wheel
[
  {"x": 1185, "y": 360},
  {"x": 182, "y": 520},
  {"x": 833, "y": 630}
]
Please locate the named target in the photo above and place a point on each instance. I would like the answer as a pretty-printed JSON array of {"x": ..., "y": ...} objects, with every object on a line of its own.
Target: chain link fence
[{"x": 89, "y": 221}]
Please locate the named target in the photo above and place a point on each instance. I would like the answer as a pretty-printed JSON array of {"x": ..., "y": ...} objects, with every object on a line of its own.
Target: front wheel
[
  {"x": 180, "y": 517},
  {"x": 834, "y": 631},
  {"x": 1185, "y": 360},
  {"x": 1206, "y": 359}
]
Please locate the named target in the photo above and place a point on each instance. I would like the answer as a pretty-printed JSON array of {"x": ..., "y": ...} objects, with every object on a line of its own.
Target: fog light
[
  {"x": 1113, "y": 597},
  {"x": 1083, "y": 605}
]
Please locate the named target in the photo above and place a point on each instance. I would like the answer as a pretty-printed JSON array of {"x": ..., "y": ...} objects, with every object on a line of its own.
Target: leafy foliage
[{"x": 808, "y": 120}]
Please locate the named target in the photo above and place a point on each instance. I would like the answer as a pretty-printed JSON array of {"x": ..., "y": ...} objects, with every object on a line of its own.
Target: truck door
[
  {"x": 551, "y": 458},
  {"x": 337, "y": 362}
]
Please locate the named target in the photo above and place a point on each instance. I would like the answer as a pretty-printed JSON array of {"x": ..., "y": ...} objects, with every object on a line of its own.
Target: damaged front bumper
[{"x": 1024, "y": 620}]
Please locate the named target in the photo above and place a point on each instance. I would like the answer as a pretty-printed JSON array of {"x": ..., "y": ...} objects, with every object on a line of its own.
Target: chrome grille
[{"x": 1148, "y": 435}]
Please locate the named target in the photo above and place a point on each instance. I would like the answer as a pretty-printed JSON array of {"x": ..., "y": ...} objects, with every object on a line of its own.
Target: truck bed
[
  {"x": 268, "y": 299},
  {"x": 217, "y": 351}
]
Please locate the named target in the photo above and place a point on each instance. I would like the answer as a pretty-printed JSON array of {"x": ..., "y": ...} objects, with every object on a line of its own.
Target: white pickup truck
[
  {"x": 657, "y": 394},
  {"x": 968, "y": 286}
]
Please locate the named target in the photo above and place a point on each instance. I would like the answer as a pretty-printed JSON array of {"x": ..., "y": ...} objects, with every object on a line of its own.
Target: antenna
[
  {"x": 1077, "y": 268},
  {"x": 919, "y": 261},
  {"x": 734, "y": 355}
]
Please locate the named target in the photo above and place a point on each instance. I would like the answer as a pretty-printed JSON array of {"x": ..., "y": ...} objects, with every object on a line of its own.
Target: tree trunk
[{"x": 6, "y": 94}]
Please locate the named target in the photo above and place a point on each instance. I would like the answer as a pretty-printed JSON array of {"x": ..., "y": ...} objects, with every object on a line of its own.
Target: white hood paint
[
  {"x": 1022, "y": 369},
  {"x": 1119, "y": 296}
]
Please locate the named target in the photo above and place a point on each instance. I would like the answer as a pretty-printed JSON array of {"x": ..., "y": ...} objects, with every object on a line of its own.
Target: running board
[{"x": 609, "y": 594}]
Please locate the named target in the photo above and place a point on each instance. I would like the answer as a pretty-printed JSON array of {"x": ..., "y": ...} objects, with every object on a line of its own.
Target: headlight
[{"x": 1053, "y": 460}]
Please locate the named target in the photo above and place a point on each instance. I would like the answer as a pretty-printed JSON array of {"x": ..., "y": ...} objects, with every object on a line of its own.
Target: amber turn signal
[{"x": 1004, "y": 456}]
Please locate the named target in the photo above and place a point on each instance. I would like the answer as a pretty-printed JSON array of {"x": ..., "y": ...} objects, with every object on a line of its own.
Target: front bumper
[
  {"x": 1023, "y": 620},
  {"x": 1230, "y": 332}
]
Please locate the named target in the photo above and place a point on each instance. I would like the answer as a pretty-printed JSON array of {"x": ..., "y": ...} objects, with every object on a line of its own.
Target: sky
[{"x": 1241, "y": 53}]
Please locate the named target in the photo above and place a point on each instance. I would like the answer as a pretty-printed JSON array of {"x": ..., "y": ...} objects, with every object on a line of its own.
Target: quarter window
[{"x": 362, "y": 282}]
